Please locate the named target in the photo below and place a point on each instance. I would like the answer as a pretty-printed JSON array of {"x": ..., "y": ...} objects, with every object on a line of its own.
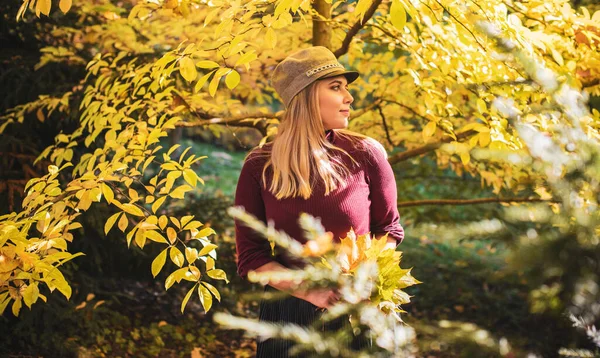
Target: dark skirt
[{"x": 294, "y": 310}]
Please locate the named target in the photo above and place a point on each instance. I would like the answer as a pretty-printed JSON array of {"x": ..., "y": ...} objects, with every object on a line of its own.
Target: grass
[{"x": 220, "y": 170}]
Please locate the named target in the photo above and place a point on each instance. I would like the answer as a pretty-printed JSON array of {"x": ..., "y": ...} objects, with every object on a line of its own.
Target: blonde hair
[{"x": 300, "y": 150}]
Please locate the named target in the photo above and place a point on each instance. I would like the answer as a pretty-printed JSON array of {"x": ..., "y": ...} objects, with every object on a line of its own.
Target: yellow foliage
[{"x": 433, "y": 76}]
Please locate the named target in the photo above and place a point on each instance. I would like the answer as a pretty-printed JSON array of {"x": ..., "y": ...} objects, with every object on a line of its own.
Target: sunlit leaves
[
  {"x": 110, "y": 222},
  {"x": 429, "y": 76},
  {"x": 207, "y": 64},
  {"x": 156, "y": 236},
  {"x": 245, "y": 59},
  {"x": 187, "y": 69},
  {"x": 206, "y": 249},
  {"x": 111, "y": 170},
  {"x": 205, "y": 296},
  {"x": 187, "y": 298},
  {"x": 159, "y": 262},
  {"x": 398, "y": 15},
  {"x": 270, "y": 38},
  {"x": 65, "y": 5},
  {"x": 232, "y": 79},
  {"x": 176, "y": 256},
  {"x": 217, "y": 274},
  {"x": 356, "y": 250},
  {"x": 43, "y": 6}
]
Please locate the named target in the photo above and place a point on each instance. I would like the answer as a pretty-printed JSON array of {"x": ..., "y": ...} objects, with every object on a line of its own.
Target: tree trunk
[{"x": 321, "y": 29}]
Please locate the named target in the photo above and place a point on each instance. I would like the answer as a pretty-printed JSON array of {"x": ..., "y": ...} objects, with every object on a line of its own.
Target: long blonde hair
[{"x": 300, "y": 150}]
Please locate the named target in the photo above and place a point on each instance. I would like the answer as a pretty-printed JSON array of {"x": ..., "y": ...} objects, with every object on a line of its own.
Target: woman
[{"x": 313, "y": 166}]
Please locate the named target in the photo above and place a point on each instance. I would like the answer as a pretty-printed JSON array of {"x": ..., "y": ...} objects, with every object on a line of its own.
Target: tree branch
[
  {"x": 405, "y": 204},
  {"x": 476, "y": 86},
  {"x": 356, "y": 28},
  {"x": 394, "y": 159},
  {"x": 237, "y": 121},
  {"x": 463, "y": 25},
  {"x": 385, "y": 126},
  {"x": 412, "y": 110},
  {"x": 375, "y": 104}
]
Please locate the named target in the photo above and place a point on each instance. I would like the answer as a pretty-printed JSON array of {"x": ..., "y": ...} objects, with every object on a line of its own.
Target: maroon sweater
[{"x": 367, "y": 203}]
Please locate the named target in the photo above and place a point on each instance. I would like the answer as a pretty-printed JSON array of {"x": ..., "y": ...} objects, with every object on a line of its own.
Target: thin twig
[
  {"x": 385, "y": 126},
  {"x": 471, "y": 201},
  {"x": 397, "y": 158}
]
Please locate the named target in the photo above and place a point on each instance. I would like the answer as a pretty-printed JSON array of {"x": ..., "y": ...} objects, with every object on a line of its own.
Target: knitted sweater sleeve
[
  {"x": 252, "y": 249},
  {"x": 383, "y": 194}
]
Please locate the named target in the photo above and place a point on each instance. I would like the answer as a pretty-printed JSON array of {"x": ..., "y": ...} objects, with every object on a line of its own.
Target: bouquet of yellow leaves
[{"x": 355, "y": 252}]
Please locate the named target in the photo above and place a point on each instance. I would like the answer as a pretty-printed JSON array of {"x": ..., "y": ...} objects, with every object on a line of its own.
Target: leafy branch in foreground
[
  {"x": 119, "y": 136},
  {"x": 367, "y": 276}
]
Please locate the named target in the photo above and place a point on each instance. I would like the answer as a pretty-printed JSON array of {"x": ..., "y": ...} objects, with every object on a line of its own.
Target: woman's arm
[
  {"x": 322, "y": 298},
  {"x": 385, "y": 218},
  {"x": 252, "y": 249}
]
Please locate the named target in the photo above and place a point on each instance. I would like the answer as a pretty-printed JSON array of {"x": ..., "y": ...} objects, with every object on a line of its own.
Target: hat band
[{"x": 327, "y": 66}]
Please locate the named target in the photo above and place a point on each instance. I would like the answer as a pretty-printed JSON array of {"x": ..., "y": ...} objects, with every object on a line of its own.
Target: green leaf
[
  {"x": 110, "y": 222},
  {"x": 217, "y": 274},
  {"x": 176, "y": 256},
  {"x": 232, "y": 79},
  {"x": 187, "y": 298},
  {"x": 159, "y": 262},
  {"x": 187, "y": 68},
  {"x": 205, "y": 298}
]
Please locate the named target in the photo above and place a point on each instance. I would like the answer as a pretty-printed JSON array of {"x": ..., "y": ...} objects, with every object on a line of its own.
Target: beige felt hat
[{"x": 304, "y": 67}]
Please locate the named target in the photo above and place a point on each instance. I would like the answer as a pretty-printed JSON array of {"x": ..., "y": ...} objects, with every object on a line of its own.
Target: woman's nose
[{"x": 349, "y": 98}]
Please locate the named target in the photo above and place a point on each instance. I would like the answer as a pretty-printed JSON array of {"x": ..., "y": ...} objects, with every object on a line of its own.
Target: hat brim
[{"x": 351, "y": 76}]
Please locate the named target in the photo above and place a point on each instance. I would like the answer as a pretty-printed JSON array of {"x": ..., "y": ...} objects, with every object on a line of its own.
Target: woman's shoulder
[
  {"x": 359, "y": 144},
  {"x": 258, "y": 155}
]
